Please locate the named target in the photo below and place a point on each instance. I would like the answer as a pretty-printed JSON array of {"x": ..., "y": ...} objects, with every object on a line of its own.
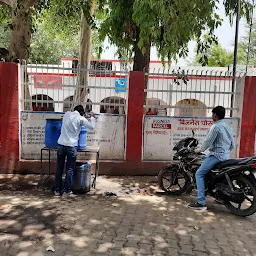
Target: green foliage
[
  {"x": 118, "y": 25},
  {"x": 243, "y": 47},
  {"x": 5, "y": 35},
  {"x": 60, "y": 23},
  {"x": 231, "y": 9},
  {"x": 170, "y": 25},
  {"x": 46, "y": 47},
  {"x": 5, "y": 14},
  {"x": 55, "y": 31},
  {"x": 63, "y": 17},
  {"x": 5, "y": 26},
  {"x": 217, "y": 57},
  {"x": 58, "y": 34},
  {"x": 49, "y": 49},
  {"x": 67, "y": 14}
]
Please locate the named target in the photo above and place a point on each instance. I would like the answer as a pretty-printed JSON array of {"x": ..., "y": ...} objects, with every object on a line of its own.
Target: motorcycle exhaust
[{"x": 224, "y": 193}]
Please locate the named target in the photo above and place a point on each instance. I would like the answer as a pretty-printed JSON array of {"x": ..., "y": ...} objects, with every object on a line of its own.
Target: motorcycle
[{"x": 233, "y": 182}]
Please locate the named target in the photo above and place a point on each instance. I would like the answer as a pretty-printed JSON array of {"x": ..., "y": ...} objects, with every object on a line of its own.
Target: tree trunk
[
  {"x": 84, "y": 57},
  {"x": 21, "y": 30},
  {"x": 21, "y": 38},
  {"x": 141, "y": 61}
]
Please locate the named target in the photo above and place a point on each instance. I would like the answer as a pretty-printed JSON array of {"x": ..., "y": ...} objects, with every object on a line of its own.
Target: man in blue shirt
[{"x": 220, "y": 143}]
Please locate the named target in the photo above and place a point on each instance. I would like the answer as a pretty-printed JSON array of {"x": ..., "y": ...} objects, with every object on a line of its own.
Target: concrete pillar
[
  {"x": 248, "y": 125},
  {"x": 135, "y": 117},
  {"x": 9, "y": 117}
]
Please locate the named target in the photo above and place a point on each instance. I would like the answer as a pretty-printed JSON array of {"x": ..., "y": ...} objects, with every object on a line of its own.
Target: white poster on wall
[
  {"x": 109, "y": 135},
  {"x": 162, "y": 133}
]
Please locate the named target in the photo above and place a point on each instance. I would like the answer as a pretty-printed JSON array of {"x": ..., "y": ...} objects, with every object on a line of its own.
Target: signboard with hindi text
[
  {"x": 109, "y": 135},
  {"x": 160, "y": 134}
]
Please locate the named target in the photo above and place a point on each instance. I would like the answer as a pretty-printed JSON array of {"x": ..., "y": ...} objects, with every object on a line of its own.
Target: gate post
[
  {"x": 9, "y": 117},
  {"x": 135, "y": 117},
  {"x": 248, "y": 125}
]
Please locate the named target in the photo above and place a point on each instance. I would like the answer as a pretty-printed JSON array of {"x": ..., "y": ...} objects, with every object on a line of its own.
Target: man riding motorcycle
[{"x": 220, "y": 142}]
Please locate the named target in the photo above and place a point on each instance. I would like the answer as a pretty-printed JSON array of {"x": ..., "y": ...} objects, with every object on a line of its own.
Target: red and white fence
[{"x": 146, "y": 142}]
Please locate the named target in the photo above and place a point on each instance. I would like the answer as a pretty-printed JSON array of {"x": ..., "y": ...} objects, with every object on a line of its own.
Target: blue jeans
[
  {"x": 206, "y": 167},
  {"x": 71, "y": 153}
]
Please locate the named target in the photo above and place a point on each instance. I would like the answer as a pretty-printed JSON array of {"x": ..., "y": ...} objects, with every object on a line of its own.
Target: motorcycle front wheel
[
  {"x": 173, "y": 180},
  {"x": 248, "y": 207}
]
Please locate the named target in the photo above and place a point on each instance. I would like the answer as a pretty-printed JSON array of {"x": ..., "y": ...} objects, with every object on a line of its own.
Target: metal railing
[
  {"x": 54, "y": 88},
  {"x": 192, "y": 93},
  {"x": 173, "y": 93}
]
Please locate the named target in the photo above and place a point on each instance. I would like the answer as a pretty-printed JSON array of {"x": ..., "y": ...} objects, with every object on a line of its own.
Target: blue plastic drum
[{"x": 52, "y": 132}]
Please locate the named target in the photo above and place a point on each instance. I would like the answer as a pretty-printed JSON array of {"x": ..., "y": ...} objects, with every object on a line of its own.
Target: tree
[
  {"x": 243, "y": 47},
  {"x": 136, "y": 25},
  {"x": 21, "y": 12},
  {"x": 70, "y": 12},
  {"x": 45, "y": 47},
  {"x": 217, "y": 57},
  {"x": 85, "y": 53},
  {"x": 49, "y": 49}
]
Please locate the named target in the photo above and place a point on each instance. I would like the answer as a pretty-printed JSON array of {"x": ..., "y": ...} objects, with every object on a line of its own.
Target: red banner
[
  {"x": 161, "y": 126},
  {"x": 48, "y": 81}
]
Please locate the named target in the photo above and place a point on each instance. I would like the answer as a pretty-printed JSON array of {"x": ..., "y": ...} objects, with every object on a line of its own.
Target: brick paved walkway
[{"x": 136, "y": 222}]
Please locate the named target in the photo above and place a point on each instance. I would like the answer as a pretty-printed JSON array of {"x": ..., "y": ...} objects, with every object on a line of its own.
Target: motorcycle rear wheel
[
  {"x": 249, "y": 189},
  {"x": 173, "y": 180}
]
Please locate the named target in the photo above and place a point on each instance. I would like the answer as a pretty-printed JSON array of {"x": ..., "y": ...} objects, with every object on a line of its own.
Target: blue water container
[
  {"x": 82, "y": 141},
  {"x": 52, "y": 132},
  {"x": 81, "y": 182}
]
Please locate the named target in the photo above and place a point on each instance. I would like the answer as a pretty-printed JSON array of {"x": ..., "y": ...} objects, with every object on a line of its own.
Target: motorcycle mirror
[{"x": 193, "y": 133}]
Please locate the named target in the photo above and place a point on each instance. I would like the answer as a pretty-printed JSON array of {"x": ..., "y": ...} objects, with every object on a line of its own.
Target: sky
[{"x": 225, "y": 33}]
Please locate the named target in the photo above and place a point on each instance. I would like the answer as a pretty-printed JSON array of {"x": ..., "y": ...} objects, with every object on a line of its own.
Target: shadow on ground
[{"x": 136, "y": 222}]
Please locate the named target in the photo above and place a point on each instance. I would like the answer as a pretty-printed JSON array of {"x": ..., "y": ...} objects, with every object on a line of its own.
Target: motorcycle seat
[{"x": 229, "y": 162}]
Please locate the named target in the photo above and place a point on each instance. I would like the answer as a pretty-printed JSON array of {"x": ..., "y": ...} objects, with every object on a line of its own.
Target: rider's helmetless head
[{"x": 218, "y": 113}]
